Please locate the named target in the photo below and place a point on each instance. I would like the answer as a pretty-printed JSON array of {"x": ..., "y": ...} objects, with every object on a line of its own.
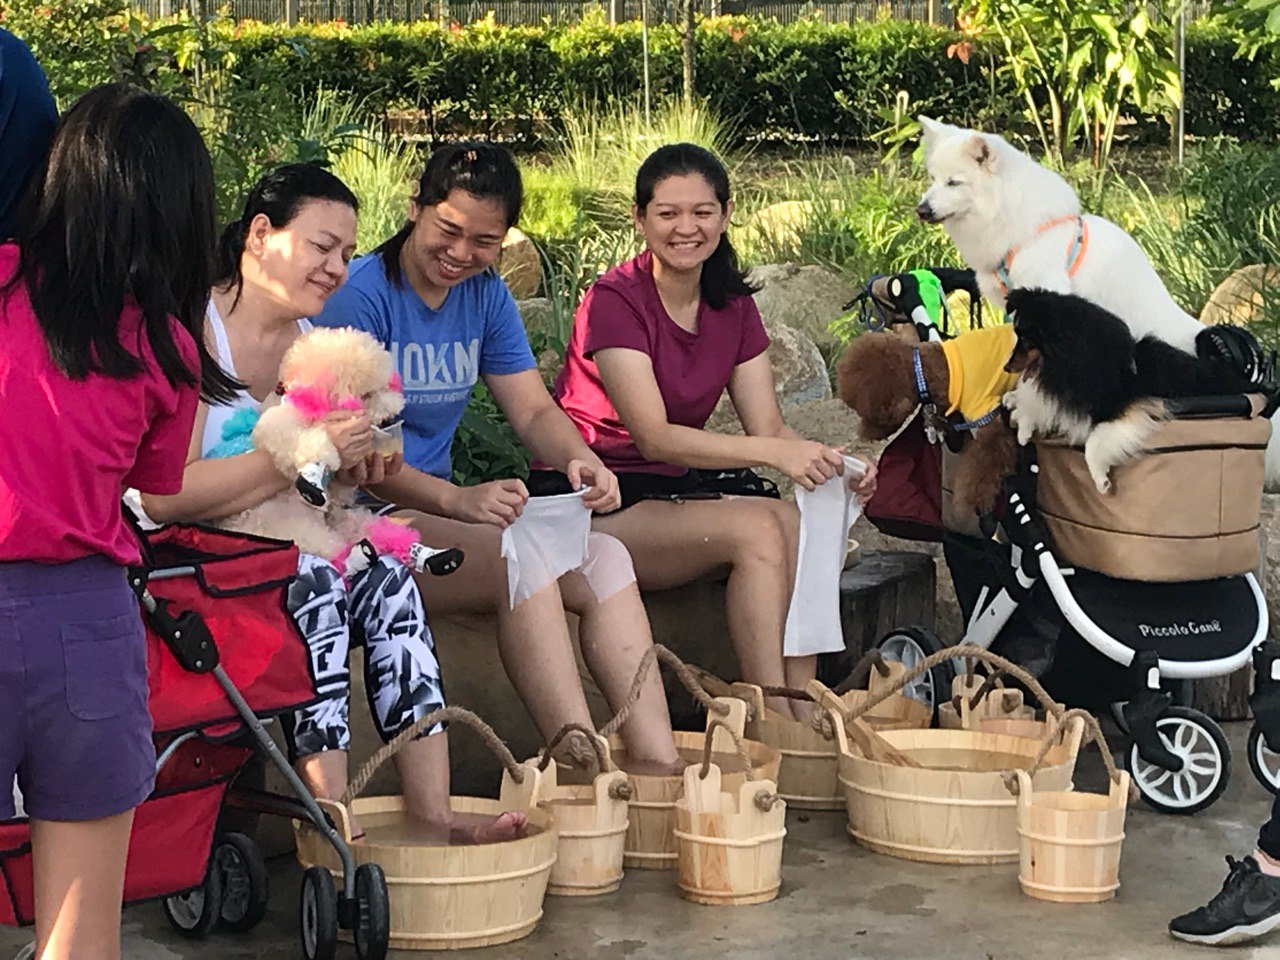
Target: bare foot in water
[
  {"x": 805, "y": 711},
  {"x": 467, "y": 829},
  {"x": 511, "y": 825}
]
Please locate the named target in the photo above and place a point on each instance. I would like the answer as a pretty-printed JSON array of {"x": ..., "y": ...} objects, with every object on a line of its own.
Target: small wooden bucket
[
  {"x": 995, "y": 704},
  {"x": 591, "y": 820},
  {"x": 447, "y": 897},
  {"x": 807, "y": 779},
  {"x": 730, "y": 842},
  {"x": 953, "y": 807},
  {"x": 651, "y": 815},
  {"x": 897, "y": 712},
  {"x": 1070, "y": 842}
]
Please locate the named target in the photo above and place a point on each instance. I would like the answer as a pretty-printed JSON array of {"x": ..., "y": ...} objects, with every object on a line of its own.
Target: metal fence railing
[
  {"x": 570, "y": 11},
  {"x": 554, "y": 11}
]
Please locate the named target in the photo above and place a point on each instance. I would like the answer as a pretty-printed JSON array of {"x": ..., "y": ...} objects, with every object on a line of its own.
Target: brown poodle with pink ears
[{"x": 879, "y": 377}]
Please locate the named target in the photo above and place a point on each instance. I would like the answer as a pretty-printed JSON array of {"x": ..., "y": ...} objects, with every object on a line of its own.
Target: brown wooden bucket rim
[
  {"x": 743, "y": 843},
  {"x": 1108, "y": 841},
  {"x": 454, "y": 936},
  {"x": 1009, "y": 855},
  {"x": 1075, "y": 891}
]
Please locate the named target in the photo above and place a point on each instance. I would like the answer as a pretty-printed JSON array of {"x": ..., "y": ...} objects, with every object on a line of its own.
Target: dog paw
[{"x": 1010, "y": 400}]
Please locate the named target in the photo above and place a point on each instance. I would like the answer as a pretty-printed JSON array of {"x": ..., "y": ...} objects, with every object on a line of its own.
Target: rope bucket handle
[
  {"x": 764, "y": 801},
  {"x": 618, "y": 790},
  {"x": 602, "y": 764},
  {"x": 460, "y": 714},
  {"x": 1057, "y": 726},
  {"x": 1051, "y": 707},
  {"x": 683, "y": 673},
  {"x": 872, "y": 659}
]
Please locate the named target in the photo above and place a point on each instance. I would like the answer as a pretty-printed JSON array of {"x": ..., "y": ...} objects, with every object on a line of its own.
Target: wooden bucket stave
[
  {"x": 730, "y": 851},
  {"x": 808, "y": 776},
  {"x": 955, "y": 808},
  {"x": 1070, "y": 842},
  {"x": 591, "y": 820},
  {"x": 651, "y": 812},
  {"x": 448, "y": 897},
  {"x": 999, "y": 704}
]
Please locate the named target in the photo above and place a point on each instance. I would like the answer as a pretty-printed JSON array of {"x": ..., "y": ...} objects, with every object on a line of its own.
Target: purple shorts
[{"x": 74, "y": 725}]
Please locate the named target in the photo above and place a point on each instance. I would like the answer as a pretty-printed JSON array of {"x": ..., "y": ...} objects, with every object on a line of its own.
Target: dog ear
[
  {"x": 979, "y": 150},
  {"x": 930, "y": 130},
  {"x": 874, "y": 379}
]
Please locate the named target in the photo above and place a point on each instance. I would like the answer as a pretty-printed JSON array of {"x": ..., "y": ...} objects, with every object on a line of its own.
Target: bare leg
[
  {"x": 423, "y": 766},
  {"x": 675, "y": 543},
  {"x": 533, "y": 639},
  {"x": 79, "y": 885},
  {"x": 614, "y": 633}
]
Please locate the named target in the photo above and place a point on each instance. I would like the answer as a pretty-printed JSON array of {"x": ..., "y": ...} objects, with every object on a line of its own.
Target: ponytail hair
[
  {"x": 484, "y": 170},
  {"x": 279, "y": 196},
  {"x": 722, "y": 278}
]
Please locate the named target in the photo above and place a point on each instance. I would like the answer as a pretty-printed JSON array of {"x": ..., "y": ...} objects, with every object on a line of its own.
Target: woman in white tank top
[{"x": 282, "y": 260}]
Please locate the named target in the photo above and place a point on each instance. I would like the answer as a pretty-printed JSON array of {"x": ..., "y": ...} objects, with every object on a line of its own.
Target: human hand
[
  {"x": 604, "y": 495},
  {"x": 808, "y": 463},
  {"x": 498, "y": 502},
  {"x": 351, "y": 435},
  {"x": 865, "y": 485}
]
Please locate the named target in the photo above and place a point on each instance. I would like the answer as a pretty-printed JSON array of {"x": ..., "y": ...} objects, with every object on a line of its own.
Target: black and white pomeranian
[{"x": 1084, "y": 377}]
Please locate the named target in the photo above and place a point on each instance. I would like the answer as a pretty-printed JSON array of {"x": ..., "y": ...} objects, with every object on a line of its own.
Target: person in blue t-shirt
[
  {"x": 431, "y": 295},
  {"x": 27, "y": 121}
]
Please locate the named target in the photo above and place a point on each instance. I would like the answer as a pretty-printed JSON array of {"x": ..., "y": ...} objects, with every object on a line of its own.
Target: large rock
[
  {"x": 805, "y": 298},
  {"x": 799, "y": 375},
  {"x": 1243, "y": 297},
  {"x": 520, "y": 266}
]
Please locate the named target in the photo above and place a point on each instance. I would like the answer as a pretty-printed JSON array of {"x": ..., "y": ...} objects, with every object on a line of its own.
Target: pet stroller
[
  {"x": 223, "y": 656},
  {"x": 1120, "y": 602}
]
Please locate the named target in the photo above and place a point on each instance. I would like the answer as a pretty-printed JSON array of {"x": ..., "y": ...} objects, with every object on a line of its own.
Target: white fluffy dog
[
  {"x": 325, "y": 370},
  {"x": 1018, "y": 225}
]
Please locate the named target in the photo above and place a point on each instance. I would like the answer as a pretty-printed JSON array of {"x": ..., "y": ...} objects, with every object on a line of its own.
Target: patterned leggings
[{"x": 402, "y": 675}]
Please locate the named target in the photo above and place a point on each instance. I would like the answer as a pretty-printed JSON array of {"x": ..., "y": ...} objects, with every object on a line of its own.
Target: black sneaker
[{"x": 1247, "y": 907}]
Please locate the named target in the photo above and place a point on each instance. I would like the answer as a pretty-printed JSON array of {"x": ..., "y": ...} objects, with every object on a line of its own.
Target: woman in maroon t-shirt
[{"x": 655, "y": 344}]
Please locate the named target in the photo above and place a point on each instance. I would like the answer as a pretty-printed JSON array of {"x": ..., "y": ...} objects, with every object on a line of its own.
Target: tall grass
[{"x": 604, "y": 146}]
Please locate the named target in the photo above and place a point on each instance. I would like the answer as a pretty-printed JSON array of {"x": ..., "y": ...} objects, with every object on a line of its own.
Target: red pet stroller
[{"x": 208, "y": 700}]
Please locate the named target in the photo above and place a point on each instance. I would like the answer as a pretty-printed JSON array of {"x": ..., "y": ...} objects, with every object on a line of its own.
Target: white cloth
[
  {"x": 826, "y": 516},
  {"x": 17, "y": 800},
  {"x": 544, "y": 543}
]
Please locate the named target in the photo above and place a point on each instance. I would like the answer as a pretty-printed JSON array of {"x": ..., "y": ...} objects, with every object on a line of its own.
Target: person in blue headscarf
[{"x": 27, "y": 121}]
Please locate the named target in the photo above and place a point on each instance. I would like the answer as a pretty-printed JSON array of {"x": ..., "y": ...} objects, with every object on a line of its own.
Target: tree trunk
[{"x": 687, "y": 51}]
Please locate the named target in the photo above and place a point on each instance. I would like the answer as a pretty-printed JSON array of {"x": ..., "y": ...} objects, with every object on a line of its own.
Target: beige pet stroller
[{"x": 1120, "y": 602}]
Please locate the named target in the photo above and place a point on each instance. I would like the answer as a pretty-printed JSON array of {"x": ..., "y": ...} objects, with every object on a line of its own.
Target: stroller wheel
[
  {"x": 1206, "y": 763},
  {"x": 1264, "y": 764},
  {"x": 194, "y": 914},
  {"x": 909, "y": 646},
  {"x": 244, "y": 882},
  {"x": 319, "y": 915},
  {"x": 373, "y": 913}
]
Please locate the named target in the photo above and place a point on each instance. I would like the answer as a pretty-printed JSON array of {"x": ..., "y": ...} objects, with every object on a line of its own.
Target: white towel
[
  {"x": 17, "y": 800},
  {"x": 826, "y": 516},
  {"x": 545, "y": 542}
]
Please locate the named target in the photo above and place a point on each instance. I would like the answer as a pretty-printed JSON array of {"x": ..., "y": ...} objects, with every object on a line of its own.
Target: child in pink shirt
[{"x": 99, "y": 379}]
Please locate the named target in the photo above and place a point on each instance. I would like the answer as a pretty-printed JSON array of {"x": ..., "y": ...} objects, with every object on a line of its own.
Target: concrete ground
[{"x": 840, "y": 901}]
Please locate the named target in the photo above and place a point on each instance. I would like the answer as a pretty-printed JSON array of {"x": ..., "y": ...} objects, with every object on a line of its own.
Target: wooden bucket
[
  {"x": 591, "y": 820},
  {"x": 651, "y": 813},
  {"x": 447, "y": 898},
  {"x": 807, "y": 779},
  {"x": 898, "y": 712},
  {"x": 730, "y": 842},
  {"x": 998, "y": 704},
  {"x": 1070, "y": 842},
  {"x": 954, "y": 807}
]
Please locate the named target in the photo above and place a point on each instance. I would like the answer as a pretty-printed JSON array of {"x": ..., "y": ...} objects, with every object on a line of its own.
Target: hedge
[{"x": 808, "y": 80}]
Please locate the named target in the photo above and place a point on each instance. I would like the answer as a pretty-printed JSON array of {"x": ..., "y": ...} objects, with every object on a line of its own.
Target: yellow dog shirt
[{"x": 975, "y": 366}]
